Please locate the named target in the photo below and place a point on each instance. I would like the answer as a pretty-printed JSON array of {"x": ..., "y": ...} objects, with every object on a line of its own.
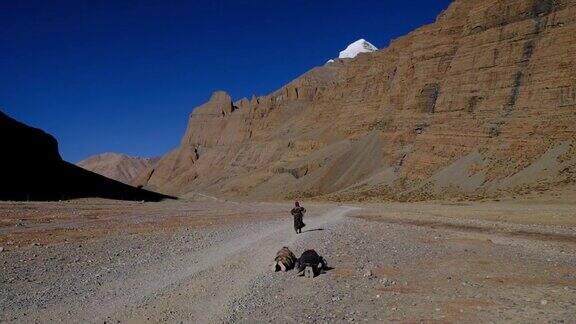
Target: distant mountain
[
  {"x": 359, "y": 46},
  {"x": 31, "y": 169},
  {"x": 116, "y": 166},
  {"x": 352, "y": 50}
]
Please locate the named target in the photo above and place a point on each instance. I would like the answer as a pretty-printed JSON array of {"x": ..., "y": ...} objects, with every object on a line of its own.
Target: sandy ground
[{"x": 208, "y": 261}]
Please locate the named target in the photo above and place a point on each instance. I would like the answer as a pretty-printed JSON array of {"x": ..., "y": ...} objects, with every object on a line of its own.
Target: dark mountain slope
[{"x": 31, "y": 169}]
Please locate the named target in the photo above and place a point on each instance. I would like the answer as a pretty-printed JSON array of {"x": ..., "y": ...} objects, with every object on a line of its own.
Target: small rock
[
  {"x": 543, "y": 302},
  {"x": 1, "y": 249},
  {"x": 386, "y": 282},
  {"x": 368, "y": 273}
]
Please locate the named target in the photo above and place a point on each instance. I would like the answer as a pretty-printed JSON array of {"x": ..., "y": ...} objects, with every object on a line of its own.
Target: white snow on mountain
[{"x": 359, "y": 46}]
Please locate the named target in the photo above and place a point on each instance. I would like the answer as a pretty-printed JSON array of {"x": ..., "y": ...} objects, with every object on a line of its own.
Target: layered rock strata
[{"x": 480, "y": 103}]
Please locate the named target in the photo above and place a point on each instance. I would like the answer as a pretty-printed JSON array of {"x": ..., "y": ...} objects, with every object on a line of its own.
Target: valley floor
[{"x": 209, "y": 261}]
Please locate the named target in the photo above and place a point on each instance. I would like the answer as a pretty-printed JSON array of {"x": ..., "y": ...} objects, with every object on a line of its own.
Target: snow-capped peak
[{"x": 359, "y": 46}]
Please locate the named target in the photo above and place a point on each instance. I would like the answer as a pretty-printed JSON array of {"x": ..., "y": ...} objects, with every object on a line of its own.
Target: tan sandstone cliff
[{"x": 480, "y": 103}]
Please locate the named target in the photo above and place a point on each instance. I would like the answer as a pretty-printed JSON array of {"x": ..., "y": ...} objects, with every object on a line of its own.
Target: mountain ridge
[
  {"x": 117, "y": 166},
  {"x": 466, "y": 107}
]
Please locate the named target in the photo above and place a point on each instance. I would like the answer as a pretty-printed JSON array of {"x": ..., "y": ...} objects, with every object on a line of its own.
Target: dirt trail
[
  {"x": 245, "y": 253},
  {"x": 192, "y": 286}
]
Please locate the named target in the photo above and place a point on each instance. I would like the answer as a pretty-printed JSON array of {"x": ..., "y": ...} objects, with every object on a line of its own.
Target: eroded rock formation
[{"x": 479, "y": 103}]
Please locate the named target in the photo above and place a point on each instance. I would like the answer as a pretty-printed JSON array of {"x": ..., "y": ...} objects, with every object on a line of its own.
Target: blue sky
[{"x": 123, "y": 76}]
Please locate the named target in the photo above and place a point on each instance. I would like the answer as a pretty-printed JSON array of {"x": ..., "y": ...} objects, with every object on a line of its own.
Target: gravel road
[
  {"x": 383, "y": 270},
  {"x": 188, "y": 275}
]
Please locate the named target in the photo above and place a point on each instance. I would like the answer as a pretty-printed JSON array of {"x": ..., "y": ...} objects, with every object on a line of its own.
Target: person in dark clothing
[
  {"x": 298, "y": 213},
  {"x": 312, "y": 260}
]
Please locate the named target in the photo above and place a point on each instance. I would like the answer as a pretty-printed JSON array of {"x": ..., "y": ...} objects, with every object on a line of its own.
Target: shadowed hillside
[{"x": 32, "y": 169}]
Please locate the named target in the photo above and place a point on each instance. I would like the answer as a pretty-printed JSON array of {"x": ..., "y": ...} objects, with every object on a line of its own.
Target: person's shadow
[
  {"x": 328, "y": 268},
  {"x": 318, "y": 272},
  {"x": 313, "y": 230}
]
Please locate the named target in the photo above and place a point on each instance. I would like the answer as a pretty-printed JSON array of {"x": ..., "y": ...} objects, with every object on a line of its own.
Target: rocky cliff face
[
  {"x": 119, "y": 167},
  {"x": 32, "y": 169},
  {"x": 480, "y": 103}
]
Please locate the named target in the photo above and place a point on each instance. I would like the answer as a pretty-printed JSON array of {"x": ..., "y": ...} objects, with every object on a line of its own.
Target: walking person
[{"x": 298, "y": 213}]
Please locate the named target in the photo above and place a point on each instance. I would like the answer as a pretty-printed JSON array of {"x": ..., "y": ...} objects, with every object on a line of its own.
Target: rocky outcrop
[
  {"x": 480, "y": 103},
  {"x": 119, "y": 167},
  {"x": 32, "y": 169}
]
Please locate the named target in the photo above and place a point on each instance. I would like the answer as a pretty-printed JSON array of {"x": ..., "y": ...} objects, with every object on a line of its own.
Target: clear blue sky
[{"x": 123, "y": 76}]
